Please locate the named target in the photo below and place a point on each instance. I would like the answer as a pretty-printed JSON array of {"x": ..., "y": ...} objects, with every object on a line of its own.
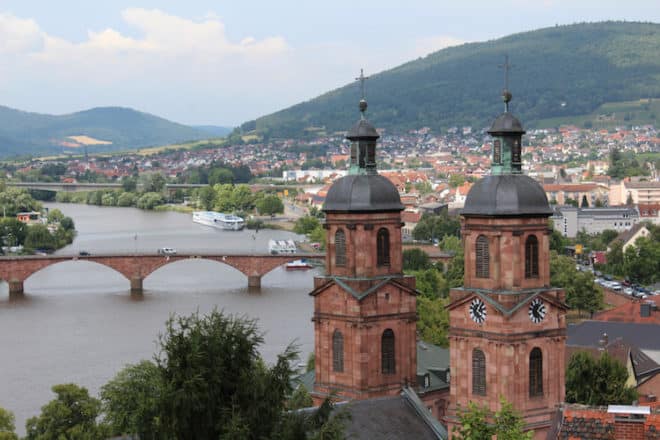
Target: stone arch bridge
[{"x": 15, "y": 270}]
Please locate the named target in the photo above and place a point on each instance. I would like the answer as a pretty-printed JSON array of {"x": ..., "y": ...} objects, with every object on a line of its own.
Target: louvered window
[
  {"x": 515, "y": 152},
  {"x": 387, "y": 352},
  {"x": 532, "y": 257},
  {"x": 536, "y": 373},
  {"x": 497, "y": 151},
  {"x": 340, "y": 248},
  {"x": 383, "y": 247},
  {"x": 483, "y": 257},
  {"x": 337, "y": 351},
  {"x": 478, "y": 372}
]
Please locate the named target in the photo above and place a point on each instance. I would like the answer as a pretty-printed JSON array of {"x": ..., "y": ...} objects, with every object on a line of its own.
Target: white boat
[
  {"x": 277, "y": 247},
  {"x": 219, "y": 220},
  {"x": 298, "y": 265}
]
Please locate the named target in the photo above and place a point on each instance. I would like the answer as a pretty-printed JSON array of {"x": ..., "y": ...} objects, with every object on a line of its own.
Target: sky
[{"x": 223, "y": 62}]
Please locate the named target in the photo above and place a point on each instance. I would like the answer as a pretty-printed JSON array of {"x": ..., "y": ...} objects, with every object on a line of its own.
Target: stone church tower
[
  {"x": 507, "y": 324},
  {"x": 364, "y": 307}
]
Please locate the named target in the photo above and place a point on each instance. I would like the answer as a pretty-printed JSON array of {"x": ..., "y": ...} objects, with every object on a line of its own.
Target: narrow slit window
[
  {"x": 388, "y": 362},
  {"x": 383, "y": 247},
  {"x": 337, "y": 351},
  {"x": 532, "y": 257},
  {"x": 340, "y": 248},
  {"x": 478, "y": 372},
  {"x": 483, "y": 257}
]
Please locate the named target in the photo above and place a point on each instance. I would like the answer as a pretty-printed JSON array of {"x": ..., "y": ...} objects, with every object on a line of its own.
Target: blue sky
[{"x": 225, "y": 62}]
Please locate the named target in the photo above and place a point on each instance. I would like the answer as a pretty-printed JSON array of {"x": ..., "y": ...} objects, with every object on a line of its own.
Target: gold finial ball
[
  {"x": 363, "y": 105},
  {"x": 506, "y": 96}
]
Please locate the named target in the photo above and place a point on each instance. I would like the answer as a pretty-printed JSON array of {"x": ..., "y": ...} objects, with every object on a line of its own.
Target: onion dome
[{"x": 506, "y": 195}]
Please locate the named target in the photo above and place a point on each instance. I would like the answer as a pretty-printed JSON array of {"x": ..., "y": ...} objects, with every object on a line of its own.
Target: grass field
[{"x": 611, "y": 115}]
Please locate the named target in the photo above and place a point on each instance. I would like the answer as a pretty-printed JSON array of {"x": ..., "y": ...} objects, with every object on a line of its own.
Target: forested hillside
[
  {"x": 557, "y": 72},
  {"x": 101, "y": 129}
]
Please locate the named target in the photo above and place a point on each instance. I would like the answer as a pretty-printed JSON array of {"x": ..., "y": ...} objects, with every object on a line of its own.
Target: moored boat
[
  {"x": 219, "y": 220},
  {"x": 298, "y": 265}
]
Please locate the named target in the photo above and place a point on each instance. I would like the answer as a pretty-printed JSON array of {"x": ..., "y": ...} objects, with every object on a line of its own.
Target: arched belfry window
[
  {"x": 483, "y": 257},
  {"x": 340, "y": 248},
  {"x": 478, "y": 372},
  {"x": 536, "y": 373},
  {"x": 532, "y": 257},
  {"x": 388, "y": 362},
  {"x": 337, "y": 351},
  {"x": 383, "y": 247}
]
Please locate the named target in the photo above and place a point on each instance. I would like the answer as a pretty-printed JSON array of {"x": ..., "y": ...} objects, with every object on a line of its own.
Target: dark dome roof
[
  {"x": 362, "y": 129},
  {"x": 506, "y": 123},
  {"x": 363, "y": 192},
  {"x": 506, "y": 195}
]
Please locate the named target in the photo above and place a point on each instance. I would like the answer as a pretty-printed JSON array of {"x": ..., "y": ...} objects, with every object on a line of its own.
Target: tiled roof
[
  {"x": 588, "y": 333},
  {"x": 580, "y": 422},
  {"x": 625, "y": 236},
  {"x": 631, "y": 312}
]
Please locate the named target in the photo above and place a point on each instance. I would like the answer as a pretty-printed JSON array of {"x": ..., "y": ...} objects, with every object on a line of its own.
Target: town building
[
  {"x": 507, "y": 326},
  {"x": 645, "y": 193},
  {"x": 594, "y": 193},
  {"x": 569, "y": 220}
]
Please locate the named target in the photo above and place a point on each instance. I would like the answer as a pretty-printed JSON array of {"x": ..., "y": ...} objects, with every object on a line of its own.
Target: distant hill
[
  {"x": 558, "y": 72},
  {"x": 214, "y": 130},
  {"x": 100, "y": 129}
]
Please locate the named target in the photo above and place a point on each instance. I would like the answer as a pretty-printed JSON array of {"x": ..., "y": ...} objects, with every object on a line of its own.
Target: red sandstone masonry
[{"x": 20, "y": 268}]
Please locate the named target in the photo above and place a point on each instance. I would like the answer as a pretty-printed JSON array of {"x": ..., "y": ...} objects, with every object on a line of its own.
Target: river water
[{"x": 78, "y": 322}]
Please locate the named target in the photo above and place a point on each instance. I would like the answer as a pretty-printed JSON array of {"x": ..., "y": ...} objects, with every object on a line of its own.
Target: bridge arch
[{"x": 136, "y": 268}]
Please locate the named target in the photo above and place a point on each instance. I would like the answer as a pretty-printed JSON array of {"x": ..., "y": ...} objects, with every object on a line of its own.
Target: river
[{"x": 78, "y": 322}]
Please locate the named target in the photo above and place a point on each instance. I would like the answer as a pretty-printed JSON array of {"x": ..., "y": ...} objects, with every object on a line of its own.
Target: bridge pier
[
  {"x": 136, "y": 285},
  {"x": 254, "y": 281},
  {"x": 15, "y": 287}
]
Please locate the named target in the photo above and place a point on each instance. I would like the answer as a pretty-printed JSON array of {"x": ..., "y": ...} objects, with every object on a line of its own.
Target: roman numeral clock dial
[
  {"x": 537, "y": 311},
  {"x": 478, "y": 311}
]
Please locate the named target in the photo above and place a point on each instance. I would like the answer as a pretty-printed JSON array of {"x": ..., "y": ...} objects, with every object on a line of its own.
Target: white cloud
[
  {"x": 427, "y": 45},
  {"x": 19, "y": 35}
]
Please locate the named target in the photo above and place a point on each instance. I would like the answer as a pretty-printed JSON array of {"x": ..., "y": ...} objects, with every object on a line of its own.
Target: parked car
[{"x": 166, "y": 251}]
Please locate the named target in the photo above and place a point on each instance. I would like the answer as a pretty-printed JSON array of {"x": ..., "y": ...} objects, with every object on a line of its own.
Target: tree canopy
[{"x": 597, "y": 381}]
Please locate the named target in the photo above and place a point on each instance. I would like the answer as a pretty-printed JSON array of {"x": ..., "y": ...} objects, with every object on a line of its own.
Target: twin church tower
[{"x": 507, "y": 325}]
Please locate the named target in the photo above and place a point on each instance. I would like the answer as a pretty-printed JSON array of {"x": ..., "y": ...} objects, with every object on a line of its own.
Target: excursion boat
[
  {"x": 219, "y": 220},
  {"x": 298, "y": 265}
]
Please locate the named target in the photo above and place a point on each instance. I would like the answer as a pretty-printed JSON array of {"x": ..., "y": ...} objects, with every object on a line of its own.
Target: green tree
[
  {"x": 641, "y": 262},
  {"x": 300, "y": 398},
  {"x": 455, "y": 271},
  {"x": 206, "y": 197},
  {"x": 305, "y": 225},
  {"x": 581, "y": 291},
  {"x": 415, "y": 259},
  {"x": 55, "y": 216},
  {"x": 318, "y": 235},
  {"x": 220, "y": 175},
  {"x": 155, "y": 182},
  {"x": 129, "y": 184},
  {"x": 242, "y": 198},
  {"x": 149, "y": 200},
  {"x": 39, "y": 237},
  {"x": 436, "y": 227},
  {"x": 585, "y": 202},
  {"x": 478, "y": 423},
  {"x": 600, "y": 381},
  {"x": 13, "y": 231},
  {"x": 451, "y": 243},
  {"x": 433, "y": 324},
  {"x": 270, "y": 205},
  {"x": 7, "y": 425},
  {"x": 131, "y": 400},
  {"x": 213, "y": 377},
  {"x": 456, "y": 180},
  {"x": 71, "y": 415},
  {"x": 615, "y": 258},
  {"x": 126, "y": 199}
]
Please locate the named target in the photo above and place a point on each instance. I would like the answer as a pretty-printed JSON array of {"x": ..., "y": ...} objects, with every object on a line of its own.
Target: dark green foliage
[
  {"x": 269, "y": 205},
  {"x": 23, "y": 133},
  {"x": 39, "y": 237},
  {"x": 600, "y": 381},
  {"x": 415, "y": 259},
  {"x": 71, "y": 415},
  {"x": 641, "y": 262},
  {"x": 7, "y": 425},
  {"x": 14, "y": 200},
  {"x": 560, "y": 71},
  {"x": 214, "y": 381},
  {"x": 13, "y": 231},
  {"x": 300, "y": 398},
  {"x": 478, "y": 423},
  {"x": 433, "y": 324},
  {"x": 436, "y": 227},
  {"x": 625, "y": 165},
  {"x": 305, "y": 225},
  {"x": 131, "y": 401},
  {"x": 582, "y": 293}
]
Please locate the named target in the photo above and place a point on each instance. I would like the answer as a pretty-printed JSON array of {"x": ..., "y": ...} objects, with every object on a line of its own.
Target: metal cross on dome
[
  {"x": 362, "y": 79},
  {"x": 505, "y": 93}
]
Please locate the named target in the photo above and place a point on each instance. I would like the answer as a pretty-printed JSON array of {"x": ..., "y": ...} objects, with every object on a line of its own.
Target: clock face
[
  {"x": 478, "y": 311},
  {"x": 537, "y": 311}
]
